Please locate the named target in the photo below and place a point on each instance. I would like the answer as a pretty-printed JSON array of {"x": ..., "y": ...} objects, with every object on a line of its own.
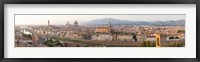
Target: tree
[
  {"x": 176, "y": 37},
  {"x": 181, "y": 31},
  {"x": 52, "y": 43},
  {"x": 148, "y": 44},
  {"x": 27, "y": 35},
  {"x": 176, "y": 44},
  {"x": 77, "y": 45},
  {"x": 171, "y": 37},
  {"x": 153, "y": 44},
  {"x": 49, "y": 44},
  {"x": 143, "y": 44}
]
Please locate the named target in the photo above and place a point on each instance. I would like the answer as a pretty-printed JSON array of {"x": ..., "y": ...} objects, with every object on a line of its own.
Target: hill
[{"x": 130, "y": 22}]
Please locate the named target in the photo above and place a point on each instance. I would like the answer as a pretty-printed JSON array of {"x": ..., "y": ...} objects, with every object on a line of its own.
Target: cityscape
[{"x": 100, "y": 31}]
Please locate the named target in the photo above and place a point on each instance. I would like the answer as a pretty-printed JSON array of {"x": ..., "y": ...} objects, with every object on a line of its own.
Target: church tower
[
  {"x": 67, "y": 24},
  {"x": 161, "y": 40},
  {"x": 48, "y": 23},
  {"x": 110, "y": 27}
]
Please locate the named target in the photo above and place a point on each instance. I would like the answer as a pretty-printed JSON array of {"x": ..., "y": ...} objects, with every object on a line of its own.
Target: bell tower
[{"x": 161, "y": 40}]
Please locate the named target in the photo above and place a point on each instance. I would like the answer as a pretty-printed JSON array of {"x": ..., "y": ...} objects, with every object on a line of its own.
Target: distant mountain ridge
[{"x": 129, "y": 22}]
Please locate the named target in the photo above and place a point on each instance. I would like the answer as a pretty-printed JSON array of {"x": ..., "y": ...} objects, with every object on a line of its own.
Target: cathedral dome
[{"x": 76, "y": 23}]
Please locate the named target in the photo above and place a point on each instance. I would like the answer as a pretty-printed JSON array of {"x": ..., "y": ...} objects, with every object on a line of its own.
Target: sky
[{"x": 63, "y": 19}]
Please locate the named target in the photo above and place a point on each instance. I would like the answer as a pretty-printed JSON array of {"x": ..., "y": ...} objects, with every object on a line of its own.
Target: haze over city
[{"x": 63, "y": 19}]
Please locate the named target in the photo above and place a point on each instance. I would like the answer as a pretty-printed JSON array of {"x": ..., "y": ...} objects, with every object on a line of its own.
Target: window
[{"x": 158, "y": 41}]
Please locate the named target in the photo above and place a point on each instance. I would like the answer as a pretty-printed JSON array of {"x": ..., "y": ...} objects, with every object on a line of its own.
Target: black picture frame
[{"x": 2, "y": 59}]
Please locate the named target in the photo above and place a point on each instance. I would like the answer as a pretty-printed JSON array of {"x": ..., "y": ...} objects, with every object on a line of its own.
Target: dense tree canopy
[
  {"x": 52, "y": 43},
  {"x": 27, "y": 35}
]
